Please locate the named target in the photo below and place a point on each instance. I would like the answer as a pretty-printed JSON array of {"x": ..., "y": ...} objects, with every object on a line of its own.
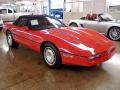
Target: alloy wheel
[
  {"x": 9, "y": 39},
  {"x": 49, "y": 56},
  {"x": 114, "y": 33}
]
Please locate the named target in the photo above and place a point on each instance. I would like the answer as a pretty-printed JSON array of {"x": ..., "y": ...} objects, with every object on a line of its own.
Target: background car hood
[
  {"x": 114, "y": 21},
  {"x": 83, "y": 39}
]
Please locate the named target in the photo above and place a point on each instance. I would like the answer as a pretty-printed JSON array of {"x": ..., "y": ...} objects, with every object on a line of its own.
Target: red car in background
[{"x": 58, "y": 43}]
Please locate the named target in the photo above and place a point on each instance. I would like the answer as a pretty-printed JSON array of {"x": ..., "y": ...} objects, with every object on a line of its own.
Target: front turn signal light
[{"x": 67, "y": 55}]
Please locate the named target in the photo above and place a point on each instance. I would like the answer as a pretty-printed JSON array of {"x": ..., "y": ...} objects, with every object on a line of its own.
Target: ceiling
[
  {"x": 8, "y": 1},
  {"x": 11, "y": 1}
]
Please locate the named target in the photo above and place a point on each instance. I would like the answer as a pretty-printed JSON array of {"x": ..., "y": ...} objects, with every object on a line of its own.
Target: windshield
[
  {"x": 45, "y": 23},
  {"x": 106, "y": 17}
]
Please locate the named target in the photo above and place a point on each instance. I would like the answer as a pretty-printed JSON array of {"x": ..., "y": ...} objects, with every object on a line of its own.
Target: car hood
[{"x": 82, "y": 39}]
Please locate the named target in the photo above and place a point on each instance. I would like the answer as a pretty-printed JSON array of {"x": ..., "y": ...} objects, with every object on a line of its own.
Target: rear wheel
[
  {"x": 73, "y": 25},
  {"x": 114, "y": 33},
  {"x": 51, "y": 55},
  {"x": 10, "y": 41}
]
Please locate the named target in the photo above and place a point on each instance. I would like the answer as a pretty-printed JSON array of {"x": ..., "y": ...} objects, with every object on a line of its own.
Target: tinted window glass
[
  {"x": 45, "y": 23},
  {"x": 106, "y": 17},
  {"x": 9, "y": 11},
  {"x": 22, "y": 22},
  {"x": 3, "y": 11}
]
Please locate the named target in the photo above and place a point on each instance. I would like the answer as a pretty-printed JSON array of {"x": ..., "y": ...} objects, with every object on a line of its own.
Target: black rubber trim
[{"x": 26, "y": 38}]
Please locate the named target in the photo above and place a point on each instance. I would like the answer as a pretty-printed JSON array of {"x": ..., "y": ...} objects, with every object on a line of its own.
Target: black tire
[
  {"x": 51, "y": 55},
  {"x": 114, "y": 33},
  {"x": 11, "y": 44},
  {"x": 73, "y": 25}
]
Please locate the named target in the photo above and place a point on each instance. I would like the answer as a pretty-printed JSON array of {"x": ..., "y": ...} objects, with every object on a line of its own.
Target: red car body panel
[{"x": 79, "y": 42}]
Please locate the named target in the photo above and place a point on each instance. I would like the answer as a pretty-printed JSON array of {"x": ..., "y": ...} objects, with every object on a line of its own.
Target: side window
[
  {"x": 46, "y": 22},
  {"x": 9, "y": 11},
  {"x": 40, "y": 23},
  {"x": 22, "y": 22},
  {"x": 43, "y": 22},
  {"x": 3, "y": 11},
  {"x": 14, "y": 11}
]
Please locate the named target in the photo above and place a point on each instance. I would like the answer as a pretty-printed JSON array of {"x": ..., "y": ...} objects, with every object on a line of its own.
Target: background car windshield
[
  {"x": 106, "y": 17},
  {"x": 45, "y": 23}
]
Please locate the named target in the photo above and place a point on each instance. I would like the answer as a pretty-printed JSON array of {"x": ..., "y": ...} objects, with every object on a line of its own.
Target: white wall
[
  {"x": 56, "y": 4},
  {"x": 88, "y": 6},
  {"x": 94, "y": 6},
  {"x": 76, "y": 6}
]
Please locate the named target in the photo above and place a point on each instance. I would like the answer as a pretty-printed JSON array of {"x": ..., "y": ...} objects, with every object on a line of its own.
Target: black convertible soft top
[
  {"x": 31, "y": 17},
  {"x": 26, "y": 20},
  {"x": 34, "y": 16}
]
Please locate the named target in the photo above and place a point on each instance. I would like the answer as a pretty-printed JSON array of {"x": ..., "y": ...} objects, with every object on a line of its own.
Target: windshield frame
[{"x": 105, "y": 17}]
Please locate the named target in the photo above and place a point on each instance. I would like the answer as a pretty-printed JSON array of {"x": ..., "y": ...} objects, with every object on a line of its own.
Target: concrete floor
[{"x": 23, "y": 69}]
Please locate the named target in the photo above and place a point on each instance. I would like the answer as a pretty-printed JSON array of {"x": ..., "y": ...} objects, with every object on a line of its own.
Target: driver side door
[
  {"x": 96, "y": 25},
  {"x": 24, "y": 35}
]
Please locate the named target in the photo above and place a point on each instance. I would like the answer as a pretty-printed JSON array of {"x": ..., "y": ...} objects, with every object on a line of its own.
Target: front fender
[{"x": 65, "y": 46}]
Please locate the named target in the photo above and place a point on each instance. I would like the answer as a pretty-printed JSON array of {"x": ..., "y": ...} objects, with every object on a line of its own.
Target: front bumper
[{"x": 85, "y": 61}]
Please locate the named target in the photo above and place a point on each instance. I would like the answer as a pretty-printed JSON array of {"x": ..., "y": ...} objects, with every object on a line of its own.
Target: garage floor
[{"x": 23, "y": 69}]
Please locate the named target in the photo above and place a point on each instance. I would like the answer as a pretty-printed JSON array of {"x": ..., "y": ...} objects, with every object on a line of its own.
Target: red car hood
[{"x": 84, "y": 39}]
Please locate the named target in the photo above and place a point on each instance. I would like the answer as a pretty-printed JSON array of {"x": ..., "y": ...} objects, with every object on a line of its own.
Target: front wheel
[
  {"x": 114, "y": 33},
  {"x": 51, "y": 55},
  {"x": 10, "y": 41}
]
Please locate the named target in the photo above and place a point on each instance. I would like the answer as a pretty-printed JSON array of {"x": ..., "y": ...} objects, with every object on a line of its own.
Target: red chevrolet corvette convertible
[{"x": 58, "y": 43}]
